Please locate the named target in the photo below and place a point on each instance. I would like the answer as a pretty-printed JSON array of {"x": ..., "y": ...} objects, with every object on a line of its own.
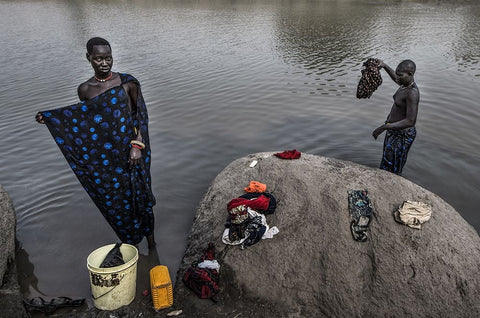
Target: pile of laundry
[
  {"x": 202, "y": 275},
  {"x": 246, "y": 223}
]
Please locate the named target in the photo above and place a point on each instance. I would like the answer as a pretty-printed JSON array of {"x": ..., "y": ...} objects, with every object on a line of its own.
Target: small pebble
[{"x": 175, "y": 313}]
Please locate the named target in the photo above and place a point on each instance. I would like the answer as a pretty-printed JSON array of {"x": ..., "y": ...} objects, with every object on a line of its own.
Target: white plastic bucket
[{"x": 113, "y": 287}]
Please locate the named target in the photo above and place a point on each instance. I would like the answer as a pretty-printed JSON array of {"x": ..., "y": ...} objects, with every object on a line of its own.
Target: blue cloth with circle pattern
[{"x": 94, "y": 136}]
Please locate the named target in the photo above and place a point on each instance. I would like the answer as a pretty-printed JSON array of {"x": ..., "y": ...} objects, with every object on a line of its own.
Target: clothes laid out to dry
[
  {"x": 289, "y": 154},
  {"x": 361, "y": 211},
  {"x": 249, "y": 232},
  {"x": 202, "y": 275},
  {"x": 246, "y": 225},
  {"x": 255, "y": 187},
  {"x": 413, "y": 214},
  {"x": 272, "y": 203},
  {"x": 259, "y": 203},
  {"x": 371, "y": 78}
]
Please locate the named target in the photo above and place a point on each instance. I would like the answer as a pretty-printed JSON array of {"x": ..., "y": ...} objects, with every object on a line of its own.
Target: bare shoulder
[
  {"x": 83, "y": 89},
  {"x": 413, "y": 96},
  {"x": 414, "y": 92}
]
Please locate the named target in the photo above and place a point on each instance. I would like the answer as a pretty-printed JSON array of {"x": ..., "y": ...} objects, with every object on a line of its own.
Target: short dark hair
[
  {"x": 96, "y": 41},
  {"x": 408, "y": 65}
]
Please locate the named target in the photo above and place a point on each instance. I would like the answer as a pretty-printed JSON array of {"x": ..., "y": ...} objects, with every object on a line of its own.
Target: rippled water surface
[{"x": 223, "y": 79}]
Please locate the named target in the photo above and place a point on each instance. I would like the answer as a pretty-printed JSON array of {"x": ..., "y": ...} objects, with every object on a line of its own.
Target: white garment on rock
[
  {"x": 270, "y": 233},
  {"x": 413, "y": 214},
  {"x": 210, "y": 264}
]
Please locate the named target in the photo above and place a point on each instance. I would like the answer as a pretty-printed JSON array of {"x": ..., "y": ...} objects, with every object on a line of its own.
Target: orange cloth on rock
[{"x": 256, "y": 186}]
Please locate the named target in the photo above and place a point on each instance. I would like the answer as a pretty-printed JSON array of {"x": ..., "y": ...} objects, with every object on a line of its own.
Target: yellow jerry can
[{"x": 161, "y": 286}]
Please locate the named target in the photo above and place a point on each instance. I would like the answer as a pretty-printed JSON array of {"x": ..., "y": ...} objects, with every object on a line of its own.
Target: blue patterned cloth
[
  {"x": 395, "y": 149},
  {"x": 94, "y": 136}
]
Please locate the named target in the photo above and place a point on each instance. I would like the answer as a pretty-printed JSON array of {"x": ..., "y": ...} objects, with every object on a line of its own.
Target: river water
[{"x": 223, "y": 79}]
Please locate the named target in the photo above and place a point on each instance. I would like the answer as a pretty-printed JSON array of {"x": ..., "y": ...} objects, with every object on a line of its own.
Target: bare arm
[
  {"x": 135, "y": 153},
  {"x": 389, "y": 71}
]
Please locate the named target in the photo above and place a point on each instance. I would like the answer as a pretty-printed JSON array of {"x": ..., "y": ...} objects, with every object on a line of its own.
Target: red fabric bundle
[
  {"x": 289, "y": 154},
  {"x": 203, "y": 281},
  {"x": 260, "y": 203}
]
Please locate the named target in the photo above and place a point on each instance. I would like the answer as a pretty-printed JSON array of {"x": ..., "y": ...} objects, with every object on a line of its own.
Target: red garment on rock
[
  {"x": 260, "y": 203},
  {"x": 289, "y": 154}
]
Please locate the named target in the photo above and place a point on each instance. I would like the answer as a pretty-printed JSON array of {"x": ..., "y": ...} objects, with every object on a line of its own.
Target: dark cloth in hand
[{"x": 371, "y": 78}]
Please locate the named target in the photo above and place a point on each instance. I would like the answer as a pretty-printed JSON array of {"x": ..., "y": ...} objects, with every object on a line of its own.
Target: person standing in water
[
  {"x": 400, "y": 123},
  {"x": 105, "y": 140}
]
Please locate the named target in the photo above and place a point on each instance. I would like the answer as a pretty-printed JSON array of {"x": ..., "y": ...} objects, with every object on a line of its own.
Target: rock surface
[
  {"x": 313, "y": 267},
  {"x": 10, "y": 297}
]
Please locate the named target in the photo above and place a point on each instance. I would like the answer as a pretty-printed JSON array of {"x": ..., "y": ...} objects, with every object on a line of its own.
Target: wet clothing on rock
[
  {"x": 371, "y": 78},
  {"x": 413, "y": 214},
  {"x": 272, "y": 204},
  {"x": 396, "y": 145},
  {"x": 245, "y": 224},
  {"x": 94, "y": 137},
  {"x": 259, "y": 203},
  {"x": 247, "y": 233},
  {"x": 255, "y": 187},
  {"x": 361, "y": 211},
  {"x": 203, "y": 281},
  {"x": 289, "y": 154}
]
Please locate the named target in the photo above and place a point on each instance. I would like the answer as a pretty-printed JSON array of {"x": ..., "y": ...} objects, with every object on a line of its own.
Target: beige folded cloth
[{"x": 413, "y": 214}]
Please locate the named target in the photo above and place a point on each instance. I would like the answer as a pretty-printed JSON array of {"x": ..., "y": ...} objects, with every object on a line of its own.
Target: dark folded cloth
[{"x": 49, "y": 307}]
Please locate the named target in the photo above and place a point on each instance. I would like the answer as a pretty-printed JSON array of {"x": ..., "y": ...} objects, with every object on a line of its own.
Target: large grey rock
[
  {"x": 313, "y": 267},
  {"x": 10, "y": 297},
  {"x": 7, "y": 232}
]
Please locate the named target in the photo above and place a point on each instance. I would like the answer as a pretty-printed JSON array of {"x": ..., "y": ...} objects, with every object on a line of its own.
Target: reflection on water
[{"x": 223, "y": 79}]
